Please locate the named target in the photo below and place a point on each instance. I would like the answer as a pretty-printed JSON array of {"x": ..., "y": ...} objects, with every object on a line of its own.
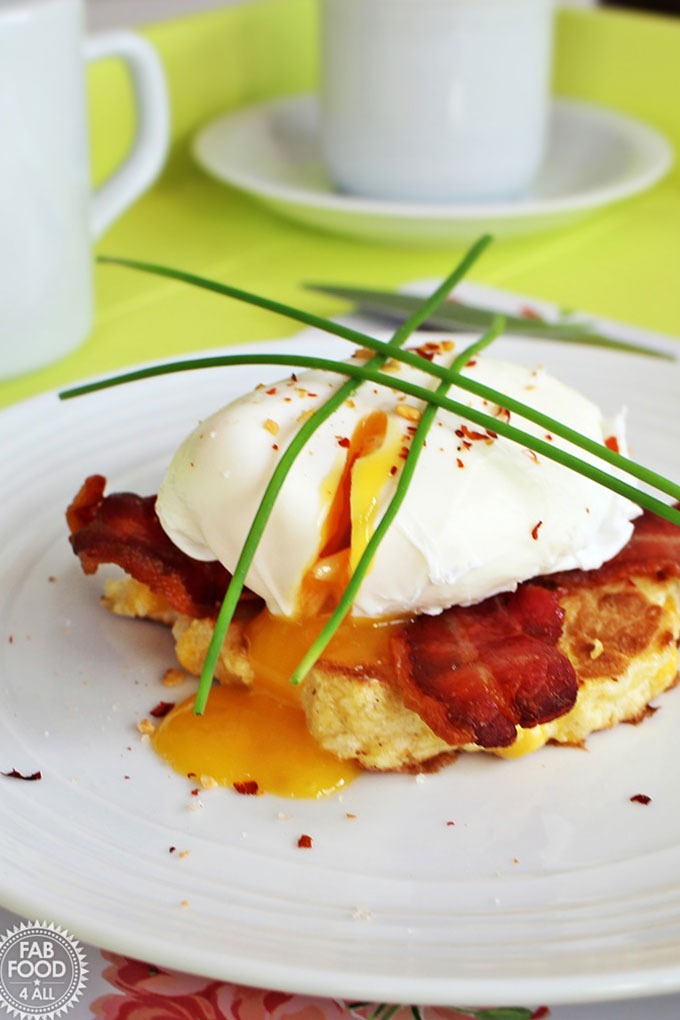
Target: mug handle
[{"x": 149, "y": 149}]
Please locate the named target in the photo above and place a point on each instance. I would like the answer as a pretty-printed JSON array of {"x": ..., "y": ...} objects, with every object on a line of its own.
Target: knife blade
[{"x": 459, "y": 317}]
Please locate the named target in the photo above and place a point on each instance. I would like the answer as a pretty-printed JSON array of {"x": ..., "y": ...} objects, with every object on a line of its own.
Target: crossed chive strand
[
  {"x": 638, "y": 471},
  {"x": 264, "y": 510}
]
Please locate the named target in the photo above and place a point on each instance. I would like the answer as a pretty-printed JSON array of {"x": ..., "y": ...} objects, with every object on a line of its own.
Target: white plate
[
  {"x": 550, "y": 887},
  {"x": 595, "y": 157}
]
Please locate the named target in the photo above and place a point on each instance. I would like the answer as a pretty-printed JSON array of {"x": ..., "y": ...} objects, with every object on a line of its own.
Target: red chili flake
[
  {"x": 11, "y": 639},
  {"x": 271, "y": 392},
  {"x": 548, "y": 437},
  {"x": 248, "y": 788},
  {"x": 305, "y": 842},
  {"x": 612, "y": 443},
  {"x": 162, "y": 709},
  {"x": 425, "y": 352},
  {"x": 640, "y": 798},
  {"x": 343, "y": 441},
  {"x": 471, "y": 363},
  {"x": 403, "y": 453},
  {"x": 472, "y": 434},
  {"x": 171, "y": 849},
  {"x": 195, "y": 792},
  {"x": 52, "y": 579},
  {"x": 275, "y": 446},
  {"x": 394, "y": 469},
  {"x": 450, "y": 823},
  {"x": 542, "y": 1013},
  {"x": 534, "y": 531},
  {"x": 459, "y": 462},
  {"x": 15, "y": 774},
  {"x": 312, "y": 394},
  {"x": 527, "y": 312},
  {"x": 293, "y": 377}
]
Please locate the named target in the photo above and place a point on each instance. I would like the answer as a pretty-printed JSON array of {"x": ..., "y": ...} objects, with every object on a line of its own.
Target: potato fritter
[{"x": 621, "y": 636}]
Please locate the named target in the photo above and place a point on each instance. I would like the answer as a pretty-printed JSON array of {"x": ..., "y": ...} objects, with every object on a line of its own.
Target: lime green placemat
[{"x": 622, "y": 263}]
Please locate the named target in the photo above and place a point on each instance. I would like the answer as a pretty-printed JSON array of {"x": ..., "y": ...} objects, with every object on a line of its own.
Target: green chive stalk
[
  {"x": 317, "y": 648},
  {"x": 237, "y": 582}
]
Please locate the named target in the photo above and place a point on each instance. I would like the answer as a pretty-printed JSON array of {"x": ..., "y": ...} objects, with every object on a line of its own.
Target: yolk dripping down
[
  {"x": 260, "y": 735},
  {"x": 350, "y": 520},
  {"x": 248, "y": 736}
]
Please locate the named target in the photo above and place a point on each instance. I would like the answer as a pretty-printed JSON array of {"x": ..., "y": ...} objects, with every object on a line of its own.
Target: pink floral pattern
[{"x": 146, "y": 992}]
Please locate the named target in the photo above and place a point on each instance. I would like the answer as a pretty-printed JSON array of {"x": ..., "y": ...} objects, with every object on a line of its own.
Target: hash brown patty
[{"x": 621, "y": 637}]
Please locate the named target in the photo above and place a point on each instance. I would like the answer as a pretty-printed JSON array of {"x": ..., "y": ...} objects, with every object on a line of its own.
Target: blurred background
[{"x": 104, "y": 14}]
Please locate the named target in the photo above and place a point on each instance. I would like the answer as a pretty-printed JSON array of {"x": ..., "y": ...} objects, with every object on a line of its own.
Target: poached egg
[{"x": 481, "y": 515}]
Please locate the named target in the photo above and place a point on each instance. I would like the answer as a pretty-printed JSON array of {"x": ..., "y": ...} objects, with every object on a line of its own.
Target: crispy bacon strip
[
  {"x": 475, "y": 673},
  {"x": 123, "y": 528},
  {"x": 653, "y": 551}
]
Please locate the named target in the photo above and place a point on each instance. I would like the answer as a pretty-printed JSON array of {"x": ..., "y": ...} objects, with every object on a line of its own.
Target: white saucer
[{"x": 595, "y": 157}]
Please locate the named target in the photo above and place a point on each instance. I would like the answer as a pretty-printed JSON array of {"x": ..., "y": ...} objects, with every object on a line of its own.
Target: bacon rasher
[
  {"x": 123, "y": 529},
  {"x": 653, "y": 551},
  {"x": 474, "y": 673}
]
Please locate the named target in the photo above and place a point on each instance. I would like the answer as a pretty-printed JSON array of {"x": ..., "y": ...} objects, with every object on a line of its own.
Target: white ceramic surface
[
  {"x": 271, "y": 151},
  {"x": 48, "y": 217},
  {"x": 551, "y": 886},
  {"x": 101, "y": 976},
  {"x": 434, "y": 102}
]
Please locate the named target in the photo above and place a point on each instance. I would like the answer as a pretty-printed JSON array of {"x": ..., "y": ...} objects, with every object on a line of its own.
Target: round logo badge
[{"x": 43, "y": 971}]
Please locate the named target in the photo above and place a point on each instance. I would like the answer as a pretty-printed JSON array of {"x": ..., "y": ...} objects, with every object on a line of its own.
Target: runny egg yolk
[
  {"x": 373, "y": 455},
  {"x": 257, "y": 739},
  {"x": 253, "y": 742}
]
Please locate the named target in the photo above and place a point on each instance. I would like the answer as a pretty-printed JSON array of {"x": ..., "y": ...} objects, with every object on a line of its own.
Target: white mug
[
  {"x": 434, "y": 100},
  {"x": 48, "y": 217}
]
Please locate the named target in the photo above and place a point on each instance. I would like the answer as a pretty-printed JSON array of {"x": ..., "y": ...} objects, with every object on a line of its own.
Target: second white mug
[
  {"x": 434, "y": 100},
  {"x": 48, "y": 218}
]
